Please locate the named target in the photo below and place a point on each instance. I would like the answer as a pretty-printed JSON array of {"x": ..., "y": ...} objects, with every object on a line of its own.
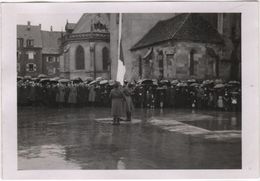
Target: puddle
[{"x": 223, "y": 124}]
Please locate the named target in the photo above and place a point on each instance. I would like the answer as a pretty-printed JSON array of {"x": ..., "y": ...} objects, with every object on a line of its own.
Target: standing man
[
  {"x": 117, "y": 97},
  {"x": 128, "y": 102}
]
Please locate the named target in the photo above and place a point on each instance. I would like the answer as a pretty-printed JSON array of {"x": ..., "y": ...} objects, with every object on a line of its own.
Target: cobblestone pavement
[{"x": 84, "y": 138}]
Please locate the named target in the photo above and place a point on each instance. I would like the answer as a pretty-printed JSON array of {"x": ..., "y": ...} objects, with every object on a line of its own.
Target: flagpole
[{"x": 120, "y": 66}]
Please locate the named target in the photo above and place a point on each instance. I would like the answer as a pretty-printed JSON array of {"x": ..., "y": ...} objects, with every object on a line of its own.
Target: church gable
[{"x": 92, "y": 23}]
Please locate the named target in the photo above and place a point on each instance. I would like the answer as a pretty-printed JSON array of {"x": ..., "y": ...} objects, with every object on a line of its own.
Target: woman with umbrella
[{"x": 117, "y": 97}]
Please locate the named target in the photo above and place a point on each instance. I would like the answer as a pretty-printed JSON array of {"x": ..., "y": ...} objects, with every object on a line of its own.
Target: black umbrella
[
  {"x": 44, "y": 80},
  {"x": 146, "y": 81},
  {"x": 77, "y": 80}
]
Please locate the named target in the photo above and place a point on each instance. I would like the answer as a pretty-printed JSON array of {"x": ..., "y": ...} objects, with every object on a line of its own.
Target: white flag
[{"x": 121, "y": 64}]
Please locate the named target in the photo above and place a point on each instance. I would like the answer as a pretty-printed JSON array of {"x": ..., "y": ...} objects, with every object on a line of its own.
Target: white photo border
[{"x": 250, "y": 88}]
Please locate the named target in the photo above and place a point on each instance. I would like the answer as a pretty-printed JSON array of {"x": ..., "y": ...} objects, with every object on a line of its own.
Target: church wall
[
  {"x": 135, "y": 26},
  {"x": 99, "y": 56},
  {"x": 176, "y": 61}
]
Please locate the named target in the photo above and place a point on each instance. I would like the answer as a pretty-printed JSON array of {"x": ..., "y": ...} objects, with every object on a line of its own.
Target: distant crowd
[{"x": 196, "y": 94}]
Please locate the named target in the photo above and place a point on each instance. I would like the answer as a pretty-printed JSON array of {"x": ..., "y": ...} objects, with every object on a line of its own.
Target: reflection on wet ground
[{"x": 73, "y": 138}]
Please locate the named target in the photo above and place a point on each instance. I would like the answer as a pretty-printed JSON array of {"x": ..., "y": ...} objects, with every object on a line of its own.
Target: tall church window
[
  {"x": 140, "y": 64},
  {"x": 80, "y": 58},
  {"x": 160, "y": 60},
  {"x": 105, "y": 57},
  {"x": 192, "y": 62}
]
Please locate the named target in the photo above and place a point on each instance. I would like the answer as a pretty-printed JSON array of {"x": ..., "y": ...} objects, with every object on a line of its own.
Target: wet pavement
[{"x": 84, "y": 138}]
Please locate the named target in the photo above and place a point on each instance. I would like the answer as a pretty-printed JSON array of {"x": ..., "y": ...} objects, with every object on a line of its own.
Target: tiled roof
[
  {"x": 33, "y": 33},
  {"x": 51, "y": 42},
  {"x": 184, "y": 27}
]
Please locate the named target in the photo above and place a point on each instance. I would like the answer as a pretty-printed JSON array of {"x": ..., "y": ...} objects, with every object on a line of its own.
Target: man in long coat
[{"x": 117, "y": 97}]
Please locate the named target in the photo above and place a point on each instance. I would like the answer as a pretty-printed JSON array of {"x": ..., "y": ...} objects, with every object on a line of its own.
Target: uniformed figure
[
  {"x": 72, "y": 100},
  {"x": 128, "y": 103},
  {"x": 92, "y": 95},
  {"x": 117, "y": 98}
]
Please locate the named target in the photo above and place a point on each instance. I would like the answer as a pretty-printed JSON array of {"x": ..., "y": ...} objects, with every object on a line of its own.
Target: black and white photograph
[{"x": 108, "y": 90}]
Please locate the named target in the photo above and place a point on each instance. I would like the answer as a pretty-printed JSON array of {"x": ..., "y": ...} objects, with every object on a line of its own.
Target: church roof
[
  {"x": 184, "y": 27},
  {"x": 30, "y": 32},
  {"x": 51, "y": 42},
  {"x": 70, "y": 26}
]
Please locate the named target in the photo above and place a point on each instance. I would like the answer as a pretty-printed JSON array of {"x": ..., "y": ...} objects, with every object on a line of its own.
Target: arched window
[
  {"x": 80, "y": 58},
  {"x": 105, "y": 54},
  {"x": 140, "y": 66},
  {"x": 160, "y": 60},
  {"x": 192, "y": 72}
]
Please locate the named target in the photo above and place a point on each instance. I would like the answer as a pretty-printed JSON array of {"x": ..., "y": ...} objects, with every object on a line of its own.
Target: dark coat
[{"x": 117, "y": 98}]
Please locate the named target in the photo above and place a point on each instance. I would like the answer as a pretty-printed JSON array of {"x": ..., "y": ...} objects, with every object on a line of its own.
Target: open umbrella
[
  {"x": 27, "y": 77},
  {"x": 174, "y": 82},
  {"x": 145, "y": 81},
  {"x": 103, "y": 82},
  {"x": 99, "y": 78},
  {"x": 182, "y": 84},
  {"x": 64, "y": 80},
  {"x": 19, "y": 78},
  {"x": 93, "y": 82},
  {"x": 194, "y": 84},
  {"x": 234, "y": 82},
  {"x": 77, "y": 80},
  {"x": 191, "y": 81},
  {"x": 42, "y": 76},
  {"x": 218, "y": 86},
  {"x": 44, "y": 80},
  {"x": 54, "y": 79},
  {"x": 165, "y": 82},
  {"x": 218, "y": 81}
]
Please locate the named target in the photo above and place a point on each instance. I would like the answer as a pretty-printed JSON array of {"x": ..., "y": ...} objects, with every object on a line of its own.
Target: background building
[
  {"x": 37, "y": 51},
  {"x": 173, "y": 46},
  {"x": 87, "y": 47},
  {"x": 29, "y": 50}
]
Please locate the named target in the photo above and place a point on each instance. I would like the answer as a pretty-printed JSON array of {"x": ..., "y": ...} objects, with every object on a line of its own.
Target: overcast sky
[{"x": 57, "y": 21}]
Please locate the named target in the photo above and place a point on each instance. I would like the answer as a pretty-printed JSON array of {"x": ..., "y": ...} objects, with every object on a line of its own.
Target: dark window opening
[
  {"x": 29, "y": 43},
  {"x": 105, "y": 54},
  {"x": 140, "y": 67},
  {"x": 192, "y": 62},
  {"x": 160, "y": 59},
  {"x": 80, "y": 58},
  {"x": 20, "y": 42}
]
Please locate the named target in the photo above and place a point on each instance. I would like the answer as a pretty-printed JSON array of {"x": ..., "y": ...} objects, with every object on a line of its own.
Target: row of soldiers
[{"x": 145, "y": 95}]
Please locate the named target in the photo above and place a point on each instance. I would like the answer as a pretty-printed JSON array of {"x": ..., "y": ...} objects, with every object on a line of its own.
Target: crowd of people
[{"x": 196, "y": 94}]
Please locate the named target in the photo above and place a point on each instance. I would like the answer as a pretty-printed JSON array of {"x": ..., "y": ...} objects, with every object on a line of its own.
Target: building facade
[
  {"x": 37, "y": 51},
  {"x": 29, "y": 46},
  {"x": 86, "y": 48},
  {"x": 183, "y": 46}
]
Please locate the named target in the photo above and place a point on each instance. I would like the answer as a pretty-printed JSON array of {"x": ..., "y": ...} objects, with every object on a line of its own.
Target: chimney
[
  {"x": 51, "y": 28},
  {"x": 40, "y": 25},
  {"x": 28, "y": 25}
]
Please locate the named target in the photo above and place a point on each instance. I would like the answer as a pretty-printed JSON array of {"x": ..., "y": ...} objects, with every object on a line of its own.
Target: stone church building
[
  {"x": 185, "y": 46},
  {"x": 89, "y": 47}
]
